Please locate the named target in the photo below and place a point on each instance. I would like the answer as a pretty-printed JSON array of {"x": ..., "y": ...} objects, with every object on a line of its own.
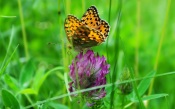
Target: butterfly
[{"x": 87, "y": 32}]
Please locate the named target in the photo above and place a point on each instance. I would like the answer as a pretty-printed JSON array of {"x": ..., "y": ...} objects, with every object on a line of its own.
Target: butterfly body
[{"x": 87, "y": 32}]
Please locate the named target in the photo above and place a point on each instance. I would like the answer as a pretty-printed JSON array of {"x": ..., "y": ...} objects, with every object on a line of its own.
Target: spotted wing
[
  {"x": 104, "y": 28},
  {"x": 70, "y": 25},
  {"x": 86, "y": 37},
  {"x": 91, "y": 18}
]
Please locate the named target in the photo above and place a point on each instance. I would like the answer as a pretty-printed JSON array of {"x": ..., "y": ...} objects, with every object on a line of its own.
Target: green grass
[{"x": 35, "y": 58}]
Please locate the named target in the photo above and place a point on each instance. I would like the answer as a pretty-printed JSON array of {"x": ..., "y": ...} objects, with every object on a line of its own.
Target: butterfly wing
[
  {"x": 86, "y": 37},
  {"x": 104, "y": 28},
  {"x": 70, "y": 25},
  {"x": 87, "y": 32},
  {"x": 91, "y": 18}
]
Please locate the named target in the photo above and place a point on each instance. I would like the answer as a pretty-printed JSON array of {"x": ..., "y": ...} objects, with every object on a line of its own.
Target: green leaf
[
  {"x": 58, "y": 106},
  {"x": 43, "y": 78},
  {"x": 38, "y": 75},
  {"x": 144, "y": 84},
  {"x": 26, "y": 74},
  {"x": 9, "y": 100},
  {"x": 11, "y": 82},
  {"x": 154, "y": 96},
  {"x": 5, "y": 63},
  {"x": 7, "y": 59},
  {"x": 28, "y": 91},
  {"x": 151, "y": 97}
]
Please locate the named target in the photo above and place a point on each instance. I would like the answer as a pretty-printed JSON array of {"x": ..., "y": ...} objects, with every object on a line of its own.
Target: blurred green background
[{"x": 35, "y": 72}]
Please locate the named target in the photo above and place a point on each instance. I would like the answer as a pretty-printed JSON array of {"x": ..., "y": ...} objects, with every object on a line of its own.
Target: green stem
[
  {"x": 136, "y": 91},
  {"x": 162, "y": 35},
  {"x": 83, "y": 6},
  {"x": 114, "y": 74},
  {"x": 137, "y": 39},
  {"x": 107, "y": 37},
  {"x": 23, "y": 29},
  {"x": 64, "y": 48}
]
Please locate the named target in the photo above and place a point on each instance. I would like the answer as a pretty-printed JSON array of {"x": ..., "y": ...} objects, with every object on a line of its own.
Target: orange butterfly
[{"x": 87, "y": 32}]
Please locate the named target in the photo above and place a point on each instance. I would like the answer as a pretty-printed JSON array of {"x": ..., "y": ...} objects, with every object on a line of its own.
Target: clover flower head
[{"x": 89, "y": 70}]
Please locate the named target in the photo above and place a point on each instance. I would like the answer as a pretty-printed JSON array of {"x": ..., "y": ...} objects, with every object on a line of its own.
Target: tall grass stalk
[
  {"x": 162, "y": 35},
  {"x": 137, "y": 39},
  {"x": 83, "y": 5},
  {"x": 23, "y": 30},
  {"x": 109, "y": 17},
  {"x": 64, "y": 50},
  {"x": 136, "y": 91},
  {"x": 68, "y": 6},
  {"x": 114, "y": 74},
  {"x": 5, "y": 61}
]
